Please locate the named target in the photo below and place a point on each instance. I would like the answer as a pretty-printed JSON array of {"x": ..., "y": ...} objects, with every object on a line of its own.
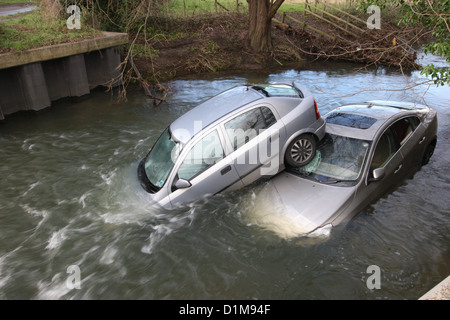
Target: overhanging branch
[{"x": 274, "y": 8}]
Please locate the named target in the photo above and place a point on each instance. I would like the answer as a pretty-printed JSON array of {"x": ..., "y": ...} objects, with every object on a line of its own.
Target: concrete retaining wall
[
  {"x": 440, "y": 292},
  {"x": 32, "y": 79}
]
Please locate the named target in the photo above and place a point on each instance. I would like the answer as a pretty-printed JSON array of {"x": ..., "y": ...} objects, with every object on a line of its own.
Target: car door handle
[
  {"x": 398, "y": 169},
  {"x": 225, "y": 170},
  {"x": 422, "y": 140}
]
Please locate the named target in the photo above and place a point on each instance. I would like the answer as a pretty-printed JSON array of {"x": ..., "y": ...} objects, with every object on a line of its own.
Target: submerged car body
[
  {"x": 232, "y": 140},
  {"x": 368, "y": 149}
]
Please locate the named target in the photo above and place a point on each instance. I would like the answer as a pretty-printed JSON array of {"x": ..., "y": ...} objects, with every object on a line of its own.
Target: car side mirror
[
  {"x": 182, "y": 184},
  {"x": 377, "y": 174}
]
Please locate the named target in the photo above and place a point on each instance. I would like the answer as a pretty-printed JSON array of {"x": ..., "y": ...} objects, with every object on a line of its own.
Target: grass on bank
[
  {"x": 16, "y": 1},
  {"x": 200, "y": 7},
  {"x": 35, "y": 29},
  {"x": 189, "y": 8}
]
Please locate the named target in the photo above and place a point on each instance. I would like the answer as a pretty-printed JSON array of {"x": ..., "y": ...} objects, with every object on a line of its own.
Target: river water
[{"x": 75, "y": 224}]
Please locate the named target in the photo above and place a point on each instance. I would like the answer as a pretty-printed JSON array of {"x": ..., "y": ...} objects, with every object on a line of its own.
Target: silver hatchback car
[
  {"x": 368, "y": 149},
  {"x": 232, "y": 140}
]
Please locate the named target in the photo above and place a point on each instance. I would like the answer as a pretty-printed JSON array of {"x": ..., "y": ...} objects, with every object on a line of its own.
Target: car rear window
[
  {"x": 350, "y": 120},
  {"x": 279, "y": 90},
  {"x": 248, "y": 125}
]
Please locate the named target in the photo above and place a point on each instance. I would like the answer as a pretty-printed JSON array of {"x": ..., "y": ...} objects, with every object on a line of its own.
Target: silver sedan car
[
  {"x": 231, "y": 140},
  {"x": 368, "y": 149}
]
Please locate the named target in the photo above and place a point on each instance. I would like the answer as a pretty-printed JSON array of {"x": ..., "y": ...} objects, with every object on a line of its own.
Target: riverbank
[
  {"x": 439, "y": 292},
  {"x": 27, "y": 26},
  {"x": 205, "y": 44},
  {"x": 165, "y": 46},
  {"x": 12, "y": 10}
]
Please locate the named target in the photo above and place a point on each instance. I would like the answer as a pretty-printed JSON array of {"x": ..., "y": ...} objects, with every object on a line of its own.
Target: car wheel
[
  {"x": 428, "y": 153},
  {"x": 301, "y": 151}
]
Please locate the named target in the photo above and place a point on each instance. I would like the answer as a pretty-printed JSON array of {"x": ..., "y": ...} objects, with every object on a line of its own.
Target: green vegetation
[
  {"x": 210, "y": 48},
  {"x": 36, "y": 30},
  {"x": 194, "y": 7},
  {"x": 214, "y": 32},
  {"x": 434, "y": 15},
  {"x": 123, "y": 16},
  {"x": 178, "y": 8},
  {"x": 143, "y": 51},
  {"x": 16, "y": 1}
]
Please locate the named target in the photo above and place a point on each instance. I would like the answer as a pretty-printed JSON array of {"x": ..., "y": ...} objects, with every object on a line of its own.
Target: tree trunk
[{"x": 261, "y": 13}]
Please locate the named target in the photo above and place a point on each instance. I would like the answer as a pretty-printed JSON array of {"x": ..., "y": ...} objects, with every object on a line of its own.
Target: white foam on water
[
  {"x": 55, "y": 289},
  {"x": 34, "y": 212},
  {"x": 56, "y": 239},
  {"x": 164, "y": 228},
  {"x": 82, "y": 199},
  {"x": 160, "y": 231},
  {"x": 108, "y": 255},
  {"x": 32, "y": 186},
  {"x": 121, "y": 200},
  {"x": 4, "y": 274}
]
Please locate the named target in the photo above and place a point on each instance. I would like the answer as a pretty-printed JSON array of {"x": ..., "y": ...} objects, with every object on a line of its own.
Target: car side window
[
  {"x": 402, "y": 130},
  {"x": 414, "y": 122},
  {"x": 204, "y": 154},
  {"x": 268, "y": 115},
  {"x": 246, "y": 126},
  {"x": 384, "y": 151},
  {"x": 392, "y": 140}
]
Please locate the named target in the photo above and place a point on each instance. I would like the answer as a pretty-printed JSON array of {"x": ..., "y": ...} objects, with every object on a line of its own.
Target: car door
[
  {"x": 387, "y": 156},
  {"x": 204, "y": 169},
  {"x": 254, "y": 136},
  {"x": 412, "y": 142}
]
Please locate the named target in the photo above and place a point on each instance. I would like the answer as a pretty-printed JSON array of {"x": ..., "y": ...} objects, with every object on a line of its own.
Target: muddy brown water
[{"x": 75, "y": 224}]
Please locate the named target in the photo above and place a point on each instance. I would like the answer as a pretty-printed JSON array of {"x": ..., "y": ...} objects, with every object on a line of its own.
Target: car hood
[{"x": 292, "y": 206}]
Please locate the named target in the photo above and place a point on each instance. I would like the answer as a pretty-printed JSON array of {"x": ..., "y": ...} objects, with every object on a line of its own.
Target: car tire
[
  {"x": 428, "y": 153},
  {"x": 301, "y": 151}
]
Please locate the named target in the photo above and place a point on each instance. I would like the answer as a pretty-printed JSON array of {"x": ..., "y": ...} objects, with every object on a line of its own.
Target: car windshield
[
  {"x": 161, "y": 159},
  {"x": 337, "y": 159}
]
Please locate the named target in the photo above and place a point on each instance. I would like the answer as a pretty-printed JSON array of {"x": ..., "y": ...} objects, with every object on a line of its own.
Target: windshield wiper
[{"x": 332, "y": 181}]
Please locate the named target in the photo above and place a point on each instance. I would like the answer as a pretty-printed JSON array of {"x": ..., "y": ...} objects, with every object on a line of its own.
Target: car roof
[
  {"x": 201, "y": 116},
  {"x": 364, "y": 120},
  {"x": 196, "y": 119}
]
